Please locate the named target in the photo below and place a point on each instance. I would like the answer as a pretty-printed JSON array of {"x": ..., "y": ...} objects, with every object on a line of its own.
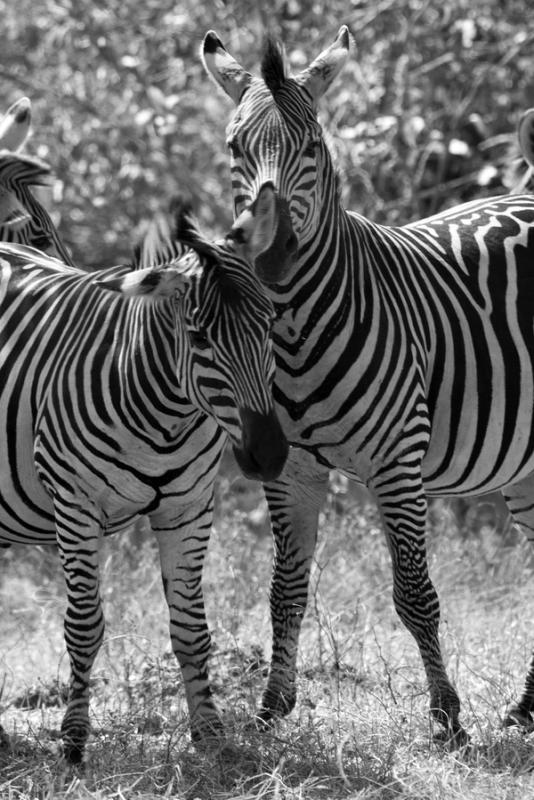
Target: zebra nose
[
  {"x": 264, "y": 448},
  {"x": 291, "y": 244}
]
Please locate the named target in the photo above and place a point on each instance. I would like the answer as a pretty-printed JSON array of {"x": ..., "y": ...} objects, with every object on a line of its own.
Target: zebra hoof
[
  {"x": 264, "y": 720},
  {"x": 276, "y": 705},
  {"x": 73, "y": 753},
  {"x": 516, "y": 717},
  {"x": 74, "y": 739},
  {"x": 208, "y": 732},
  {"x": 5, "y": 744},
  {"x": 453, "y": 740}
]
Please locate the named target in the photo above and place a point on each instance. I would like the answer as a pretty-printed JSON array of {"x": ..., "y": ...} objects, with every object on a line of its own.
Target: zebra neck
[
  {"x": 343, "y": 277},
  {"x": 325, "y": 263},
  {"x": 147, "y": 390}
]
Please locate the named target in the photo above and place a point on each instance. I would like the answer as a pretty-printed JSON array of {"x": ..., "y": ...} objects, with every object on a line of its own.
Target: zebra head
[
  {"x": 15, "y": 125},
  {"x": 23, "y": 219},
  {"x": 17, "y": 174},
  {"x": 222, "y": 321},
  {"x": 275, "y": 137}
]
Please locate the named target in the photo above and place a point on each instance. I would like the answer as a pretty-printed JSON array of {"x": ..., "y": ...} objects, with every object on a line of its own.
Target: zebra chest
[
  {"x": 116, "y": 482},
  {"x": 124, "y": 473},
  {"x": 344, "y": 411},
  {"x": 120, "y": 473}
]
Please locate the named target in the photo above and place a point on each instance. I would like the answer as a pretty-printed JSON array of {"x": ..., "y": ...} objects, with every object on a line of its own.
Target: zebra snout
[{"x": 264, "y": 448}]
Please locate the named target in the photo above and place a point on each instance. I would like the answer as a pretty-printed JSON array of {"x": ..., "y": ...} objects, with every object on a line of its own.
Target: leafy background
[
  {"x": 423, "y": 116},
  {"x": 126, "y": 116}
]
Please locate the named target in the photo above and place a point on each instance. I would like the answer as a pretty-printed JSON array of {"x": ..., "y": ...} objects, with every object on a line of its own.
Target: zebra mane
[
  {"x": 169, "y": 237},
  {"x": 274, "y": 65},
  {"x": 187, "y": 232}
]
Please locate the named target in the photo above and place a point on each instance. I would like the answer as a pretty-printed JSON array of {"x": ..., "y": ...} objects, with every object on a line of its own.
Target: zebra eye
[
  {"x": 311, "y": 148},
  {"x": 237, "y": 235},
  {"x": 199, "y": 339},
  {"x": 234, "y": 148}
]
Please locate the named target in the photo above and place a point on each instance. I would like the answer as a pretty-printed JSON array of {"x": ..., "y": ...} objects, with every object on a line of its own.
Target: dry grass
[{"x": 360, "y": 728}]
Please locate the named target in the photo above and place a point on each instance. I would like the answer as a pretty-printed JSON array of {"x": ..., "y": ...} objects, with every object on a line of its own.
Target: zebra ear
[
  {"x": 188, "y": 235},
  {"x": 153, "y": 282},
  {"x": 255, "y": 228},
  {"x": 265, "y": 235},
  {"x": 223, "y": 67},
  {"x": 260, "y": 225},
  {"x": 152, "y": 247},
  {"x": 15, "y": 125},
  {"x": 319, "y": 75}
]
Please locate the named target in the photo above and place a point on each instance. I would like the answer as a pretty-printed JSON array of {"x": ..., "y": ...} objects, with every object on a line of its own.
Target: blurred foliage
[{"x": 423, "y": 116}]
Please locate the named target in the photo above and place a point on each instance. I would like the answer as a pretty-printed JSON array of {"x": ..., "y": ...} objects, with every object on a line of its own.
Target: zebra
[
  {"x": 118, "y": 390},
  {"x": 404, "y": 357}
]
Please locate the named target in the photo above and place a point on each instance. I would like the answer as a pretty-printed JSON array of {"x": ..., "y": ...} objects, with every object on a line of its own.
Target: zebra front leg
[
  {"x": 520, "y": 501},
  {"x": 520, "y": 713},
  {"x": 78, "y": 536},
  {"x": 5, "y": 743},
  {"x": 294, "y": 507},
  {"x": 182, "y": 541},
  {"x": 415, "y": 598}
]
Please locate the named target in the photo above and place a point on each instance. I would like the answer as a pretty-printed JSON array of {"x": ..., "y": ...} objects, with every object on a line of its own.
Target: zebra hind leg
[
  {"x": 78, "y": 536},
  {"x": 415, "y": 598},
  {"x": 521, "y": 712},
  {"x": 520, "y": 501}
]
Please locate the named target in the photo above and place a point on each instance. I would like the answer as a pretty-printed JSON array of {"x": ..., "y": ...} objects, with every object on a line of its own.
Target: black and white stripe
[{"x": 405, "y": 356}]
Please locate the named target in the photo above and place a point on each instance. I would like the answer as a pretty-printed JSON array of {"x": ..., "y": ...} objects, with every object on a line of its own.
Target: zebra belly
[
  {"x": 482, "y": 437},
  {"x": 26, "y": 508},
  {"x": 483, "y": 455},
  {"x": 478, "y": 470}
]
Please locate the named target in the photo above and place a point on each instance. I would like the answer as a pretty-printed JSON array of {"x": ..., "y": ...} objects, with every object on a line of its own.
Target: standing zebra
[
  {"x": 117, "y": 391},
  {"x": 405, "y": 356}
]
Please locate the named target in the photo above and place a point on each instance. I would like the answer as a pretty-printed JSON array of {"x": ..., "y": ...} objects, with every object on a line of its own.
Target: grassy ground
[{"x": 360, "y": 728}]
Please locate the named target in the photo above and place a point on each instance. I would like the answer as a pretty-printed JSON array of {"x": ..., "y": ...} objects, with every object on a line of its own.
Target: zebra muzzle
[{"x": 264, "y": 447}]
